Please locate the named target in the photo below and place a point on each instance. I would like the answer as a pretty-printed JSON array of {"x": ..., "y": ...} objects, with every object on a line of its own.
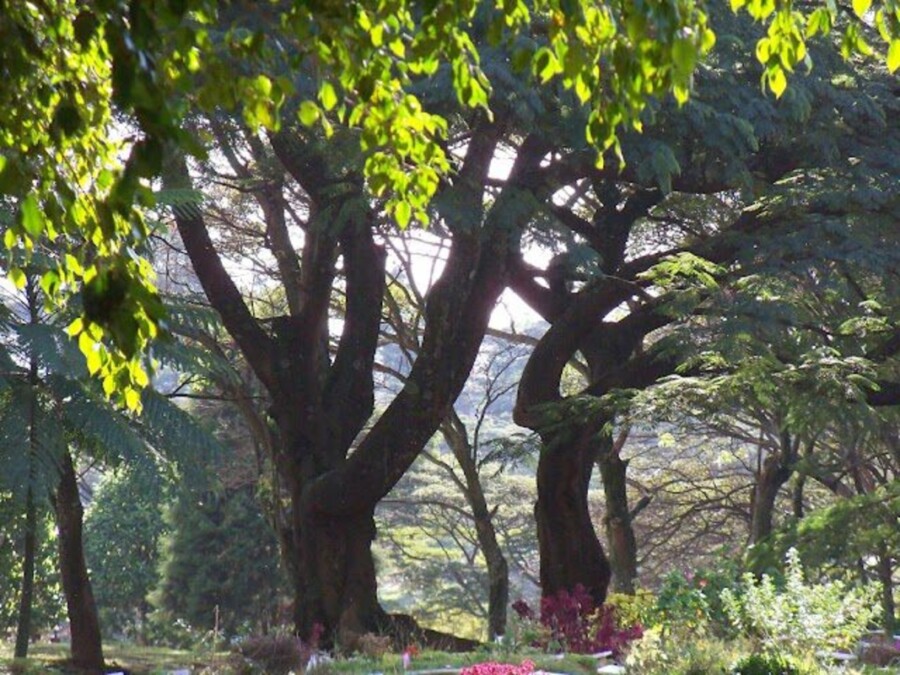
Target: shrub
[
  {"x": 632, "y": 610},
  {"x": 278, "y": 653},
  {"x": 802, "y": 618},
  {"x": 667, "y": 654},
  {"x": 766, "y": 664},
  {"x": 578, "y": 625},
  {"x": 681, "y": 605}
]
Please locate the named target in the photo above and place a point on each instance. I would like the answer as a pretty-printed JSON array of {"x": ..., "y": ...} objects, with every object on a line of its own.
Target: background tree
[
  {"x": 670, "y": 192},
  {"x": 219, "y": 563},
  {"x": 47, "y": 605},
  {"x": 123, "y": 528}
]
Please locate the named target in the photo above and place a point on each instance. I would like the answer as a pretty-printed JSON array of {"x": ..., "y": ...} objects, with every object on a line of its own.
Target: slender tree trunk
[
  {"x": 87, "y": 649},
  {"x": 619, "y": 531},
  {"x": 26, "y": 598},
  {"x": 498, "y": 569},
  {"x": 570, "y": 551},
  {"x": 886, "y": 577},
  {"x": 797, "y": 496}
]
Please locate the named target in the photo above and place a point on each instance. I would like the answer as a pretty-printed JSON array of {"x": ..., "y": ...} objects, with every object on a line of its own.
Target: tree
[
  {"x": 219, "y": 563},
  {"x": 73, "y": 66},
  {"x": 46, "y": 604},
  {"x": 703, "y": 209},
  {"x": 122, "y": 530},
  {"x": 319, "y": 405},
  {"x": 54, "y": 414},
  {"x": 467, "y": 429}
]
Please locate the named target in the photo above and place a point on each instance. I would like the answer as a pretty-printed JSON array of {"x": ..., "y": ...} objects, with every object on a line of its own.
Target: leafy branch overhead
[{"x": 94, "y": 91}]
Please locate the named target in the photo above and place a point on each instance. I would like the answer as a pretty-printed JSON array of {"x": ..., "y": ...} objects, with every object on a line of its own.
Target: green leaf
[
  {"x": 684, "y": 54},
  {"x": 893, "y": 55},
  {"x": 17, "y": 277},
  {"x": 861, "y": 7},
  {"x": 819, "y": 22},
  {"x": 327, "y": 95},
  {"x": 50, "y": 283},
  {"x": 402, "y": 213},
  {"x": 776, "y": 80},
  {"x": 32, "y": 219},
  {"x": 309, "y": 113}
]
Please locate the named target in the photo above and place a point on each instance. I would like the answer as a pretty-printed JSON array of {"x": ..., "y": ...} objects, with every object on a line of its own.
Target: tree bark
[
  {"x": 320, "y": 401},
  {"x": 886, "y": 578},
  {"x": 26, "y": 598},
  {"x": 619, "y": 531},
  {"x": 497, "y": 566},
  {"x": 86, "y": 645},
  {"x": 570, "y": 552},
  {"x": 774, "y": 473}
]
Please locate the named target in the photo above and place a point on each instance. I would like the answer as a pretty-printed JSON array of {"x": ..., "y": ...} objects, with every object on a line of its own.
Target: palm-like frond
[
  {"x": 176, "y": 435},
  {"x": 31, "y": 442}
]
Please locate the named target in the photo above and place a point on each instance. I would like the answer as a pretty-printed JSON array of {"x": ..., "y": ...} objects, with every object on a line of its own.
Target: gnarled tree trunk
[
  {"x": 322, "y": 397},
  {"x": 87, "y": 649},
  {"x": 571, "y": 553},
  {"x": 776, "y": 470}
]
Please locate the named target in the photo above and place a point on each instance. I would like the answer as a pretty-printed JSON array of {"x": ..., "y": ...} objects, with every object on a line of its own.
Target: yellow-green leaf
[
  {"x": 777, "y": 80},
  {"x": 17, "y": 277},
  {"x": 31, "y": 217},
  {"x": 75, "y": 327},
  {"x": 327, "y": 95},
  {"x": 309, "y": 112},
  {"x": 402, "y": 213},
  {"x": 861, "y": 7},
  {"x": 893, "y": 55},
  {"x": 132, "y": 399}
]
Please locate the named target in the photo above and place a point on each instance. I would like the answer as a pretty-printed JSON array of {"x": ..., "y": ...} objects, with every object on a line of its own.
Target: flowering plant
[
  {"x": 494, "y": 668},
  {"x": 579, "y": 624}
]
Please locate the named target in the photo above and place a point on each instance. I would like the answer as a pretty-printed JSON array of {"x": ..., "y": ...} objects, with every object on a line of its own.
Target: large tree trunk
[
  {"x": 774, "y": 473},
  {"x": 320, "y": 401},
  {"x": 87, "y": 650},
  {"x": 570, "y": 552},
  {"x": 619, "y": 531},
  {"x": 336, "y": 589},
  {"x": 26, "y": 598}
]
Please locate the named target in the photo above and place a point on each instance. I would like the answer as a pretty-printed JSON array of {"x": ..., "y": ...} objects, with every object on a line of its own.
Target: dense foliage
[
  {"x": 708, "y": 386},
  {"x": 123, "y": 529},
  {"x": 211, "y": 578}
]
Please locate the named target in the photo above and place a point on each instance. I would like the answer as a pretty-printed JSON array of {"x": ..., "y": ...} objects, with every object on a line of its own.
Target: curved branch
[{"x": 218, "y": 285}]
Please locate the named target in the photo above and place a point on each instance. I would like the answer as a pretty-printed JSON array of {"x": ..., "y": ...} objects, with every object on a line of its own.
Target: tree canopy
[{"x": 96, "y": 90}]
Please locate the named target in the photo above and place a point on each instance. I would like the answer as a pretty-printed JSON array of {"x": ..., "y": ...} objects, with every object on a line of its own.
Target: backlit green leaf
[
  {"x": 31, "y": 217},
  {"x": 893, "y": 55},
  {"x": 309, "y": 113}
]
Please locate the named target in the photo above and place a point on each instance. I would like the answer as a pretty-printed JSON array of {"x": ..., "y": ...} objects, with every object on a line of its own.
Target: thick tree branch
[{"x": 218, "y": 285}]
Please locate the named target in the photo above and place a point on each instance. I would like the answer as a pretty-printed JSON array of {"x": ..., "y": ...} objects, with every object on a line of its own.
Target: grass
[
  {"x": 48, "y": 659},
  {"x": 51, "y": 658}
]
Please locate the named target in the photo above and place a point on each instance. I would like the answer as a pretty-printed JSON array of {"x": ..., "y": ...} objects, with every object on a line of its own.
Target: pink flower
[{"x": 494, "y": 668}]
